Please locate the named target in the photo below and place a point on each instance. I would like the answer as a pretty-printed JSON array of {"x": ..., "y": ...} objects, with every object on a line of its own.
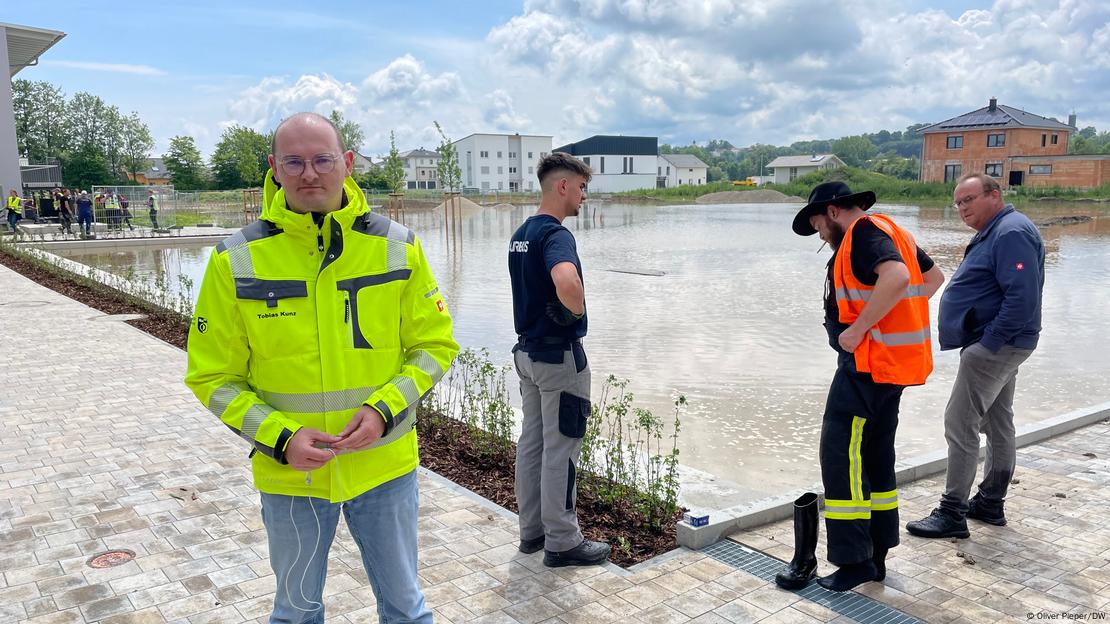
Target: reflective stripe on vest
[{"x": 897, "y": 349}]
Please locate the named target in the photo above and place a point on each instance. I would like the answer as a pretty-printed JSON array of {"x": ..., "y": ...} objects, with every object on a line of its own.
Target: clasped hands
[{"x": 309, "y": 449}]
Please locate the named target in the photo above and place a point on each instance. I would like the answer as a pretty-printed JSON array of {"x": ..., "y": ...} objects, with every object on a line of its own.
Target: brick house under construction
[{"x": 1012, "y": 145}]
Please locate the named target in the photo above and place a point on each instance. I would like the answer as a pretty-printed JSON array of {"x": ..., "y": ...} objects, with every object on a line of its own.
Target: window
[
  {"x": 996, "y": 140},
  {"x": 586, "y": 160},
  {"x": 668, "y": 170},
  {"x": 499, "y": 154},
  {"x": 954, "y": 142},
  {"x": 483, "y": 154},
  {"x": 500, "y": 185},
  {"x": 512, "y": 154},
  {"x": 512, "y": 169},
  {"x": 431, "y": 184},
  {"x": 530, "y": 187},
  {"x": 1040, "y": 169},
  {"x": 500, "y": 170},
  {"x": 1044, "y": 138},
  {"x": 626, "y": 164},
  {"x": 412, "y": 184},
  {"x": 485, "y": 170},
  {"x": 793, "y": 173},
  {"x": 530, "y": 171},
  {"x": 660, "y": 172},
  {"x": 529, "y": 158},
  {"x": 994, "y": 170},
  {"x": 485, "y": 186},
  {"x": 602, "y": 164},
  {"x": 952, "y": 173},
  {"x": 1054, "y": 139}
]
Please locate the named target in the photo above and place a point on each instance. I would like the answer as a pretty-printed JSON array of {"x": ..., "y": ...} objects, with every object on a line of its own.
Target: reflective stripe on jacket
[
  {"x": 286, "y": 336},
  {"x": 15, "y": 204},
  {"x": 898, "y": 349}
]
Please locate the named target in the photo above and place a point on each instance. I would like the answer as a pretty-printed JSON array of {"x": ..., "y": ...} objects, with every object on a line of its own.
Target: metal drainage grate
[
  {"x": 849, "y": 604},
  {"x": 110, "y": 558}
]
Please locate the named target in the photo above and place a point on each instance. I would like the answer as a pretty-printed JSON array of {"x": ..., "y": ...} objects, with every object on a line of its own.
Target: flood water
[{"x": 729, "y": 314}]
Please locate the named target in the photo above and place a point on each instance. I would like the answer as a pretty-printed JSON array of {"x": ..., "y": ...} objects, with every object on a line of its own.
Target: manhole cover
[{"x": 110, "y": 558}]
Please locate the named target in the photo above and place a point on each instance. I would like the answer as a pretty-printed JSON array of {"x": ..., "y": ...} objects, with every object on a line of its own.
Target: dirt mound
[
  {"x": 504, "y": 207},
  {"x": 757, "y": 196},
  {"x": 468, "y": 207}
]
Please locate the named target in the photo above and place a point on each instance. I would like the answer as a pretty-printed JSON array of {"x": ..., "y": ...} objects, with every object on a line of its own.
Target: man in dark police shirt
[{"x": 549, "y": 312}]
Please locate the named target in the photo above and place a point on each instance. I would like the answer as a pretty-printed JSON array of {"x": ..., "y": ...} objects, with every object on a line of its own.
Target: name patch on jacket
[{"x": 270, "y": 315}]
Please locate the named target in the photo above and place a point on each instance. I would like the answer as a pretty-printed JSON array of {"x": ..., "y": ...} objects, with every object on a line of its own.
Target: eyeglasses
[
  {"x": 969, "y": 199},
  {"x": 321, "y": 163}
]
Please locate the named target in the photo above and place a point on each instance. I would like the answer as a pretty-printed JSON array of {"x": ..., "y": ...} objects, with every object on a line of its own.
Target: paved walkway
[{"x": 103, "y": 447}]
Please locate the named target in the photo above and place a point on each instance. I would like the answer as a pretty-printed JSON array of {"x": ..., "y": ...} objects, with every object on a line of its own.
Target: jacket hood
[{"x": 275, "y": 210}]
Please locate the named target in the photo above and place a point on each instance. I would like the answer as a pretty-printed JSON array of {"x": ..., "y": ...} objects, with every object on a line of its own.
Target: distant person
[
  {"x": 64, "y": 202},
  {"x": 85, "y": 213},
  {"x": 125, "y": 212},
  {"x": 15, "y": 211},
  {"x": 317, "y": 330},
  {"x": 152, "y": 205},
  {"x": 877, "y": 316},
  {"x": 549, "y": 312},
  {"x": 991, "y": 312}
]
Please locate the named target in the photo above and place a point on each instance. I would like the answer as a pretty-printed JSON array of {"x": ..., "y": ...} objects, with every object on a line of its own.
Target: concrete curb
[
  {"x": 768, "y": 510},
  {"x": 116, "y": 243}
]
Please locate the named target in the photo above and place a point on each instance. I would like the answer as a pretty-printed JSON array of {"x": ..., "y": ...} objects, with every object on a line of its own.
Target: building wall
[
  {"x": 9, "y": 151},
  {"x": 975, "y": 154},
  {"x": 505, "y": 163},
  {"x": 782, "y": 174},
  {"x": 1070, "y": 172},
  {"x": 614, "y": 178}
]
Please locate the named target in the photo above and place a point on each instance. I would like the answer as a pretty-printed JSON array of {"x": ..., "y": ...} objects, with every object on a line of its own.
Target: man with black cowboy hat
[{"x": 877, "y": 316}]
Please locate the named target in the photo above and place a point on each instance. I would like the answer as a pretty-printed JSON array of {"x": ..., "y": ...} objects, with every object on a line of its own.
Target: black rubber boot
[{"x": 803, "y": 566}]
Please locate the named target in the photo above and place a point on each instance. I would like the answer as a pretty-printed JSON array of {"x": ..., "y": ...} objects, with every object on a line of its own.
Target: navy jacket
[{"x": 995, "y": 296}]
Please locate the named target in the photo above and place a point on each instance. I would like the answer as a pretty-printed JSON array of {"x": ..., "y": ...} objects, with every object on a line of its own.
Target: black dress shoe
[
  {"x": 532, "y": 545},
  {"x": 586, "y": 553},
  {"x": 985, "y": 512},
  {"x": 940, "y": 523}
]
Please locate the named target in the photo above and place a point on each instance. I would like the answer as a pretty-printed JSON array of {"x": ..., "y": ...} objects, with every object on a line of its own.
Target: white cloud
[{"x": 119, "y": 68}]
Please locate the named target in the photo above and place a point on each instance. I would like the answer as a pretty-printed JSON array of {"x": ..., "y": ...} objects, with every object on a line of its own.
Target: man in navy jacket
[{"x": 991, "y": 310}]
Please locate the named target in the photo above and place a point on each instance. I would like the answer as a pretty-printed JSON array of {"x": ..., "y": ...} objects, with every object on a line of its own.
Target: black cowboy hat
[{"x": 829, "y": 193}]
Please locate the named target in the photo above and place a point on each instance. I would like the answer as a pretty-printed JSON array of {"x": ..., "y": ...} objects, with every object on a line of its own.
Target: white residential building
[
  {"x": 786, "y": 168},
  {"x": 501, "y": 162},
  {"x": 619, "y": 163},
  {"x": 420, "y": 168},
  {"x": 680, "y": 169},
  {"x": 363, "y": 164}
]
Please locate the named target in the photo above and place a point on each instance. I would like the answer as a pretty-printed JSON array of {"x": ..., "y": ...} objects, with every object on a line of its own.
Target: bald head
[{"x": 302, "y": 121}]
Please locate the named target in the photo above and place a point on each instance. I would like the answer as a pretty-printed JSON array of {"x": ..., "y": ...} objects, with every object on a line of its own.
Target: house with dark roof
[
  {"x": 1015, "y": 146},
  {"x": 785, "y": 168},
  {"x": 619, "y": 163},
  {"x": 682, "y": 169},
  {"x": 154, "y": 174}
]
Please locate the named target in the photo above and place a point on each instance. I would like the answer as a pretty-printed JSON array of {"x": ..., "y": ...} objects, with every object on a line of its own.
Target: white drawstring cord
[{"x": 319, "y": 532}]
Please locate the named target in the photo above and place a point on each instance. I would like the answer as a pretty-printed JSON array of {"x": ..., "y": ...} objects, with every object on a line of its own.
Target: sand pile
[
  {"x": 756, "y": 196},
  {"x": 468, "y": 207}
]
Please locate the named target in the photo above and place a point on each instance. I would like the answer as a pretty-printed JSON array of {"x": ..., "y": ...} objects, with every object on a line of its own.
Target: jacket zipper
[{"x": 346, "y": 310}]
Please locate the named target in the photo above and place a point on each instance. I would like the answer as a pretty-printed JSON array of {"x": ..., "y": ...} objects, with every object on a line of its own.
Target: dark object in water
[
  {"x": 1069, "y": 220},
  {"x": 647, "y": 272}
]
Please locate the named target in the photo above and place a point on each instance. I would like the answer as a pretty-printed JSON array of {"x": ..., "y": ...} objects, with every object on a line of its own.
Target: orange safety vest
[{"x": 898, "y": 349}]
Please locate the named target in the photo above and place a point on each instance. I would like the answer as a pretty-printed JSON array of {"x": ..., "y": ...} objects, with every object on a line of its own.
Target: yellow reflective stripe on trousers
[
  {"x": 855, "y": 459},
  {"x": 884, "y": 501},
  {"x": 847, "y": 509}
]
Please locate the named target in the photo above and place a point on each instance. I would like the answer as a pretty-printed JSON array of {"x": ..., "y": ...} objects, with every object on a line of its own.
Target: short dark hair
[
  {"x": 990, "y": 185},
  {"x": 338, "y": 135},
  {"x": 561, "y": 161}
]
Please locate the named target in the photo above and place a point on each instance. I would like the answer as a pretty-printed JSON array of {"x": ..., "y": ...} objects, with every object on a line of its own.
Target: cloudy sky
[{"x": 772, "y": 71}]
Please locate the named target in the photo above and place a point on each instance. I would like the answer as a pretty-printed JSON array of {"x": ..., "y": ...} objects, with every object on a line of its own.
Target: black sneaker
[
  {"x": 940, "y": 523},
  {"x": 985, "y": 512},
  {"x": 586, "y": 553},
  {"x": 531, "y": 545}
]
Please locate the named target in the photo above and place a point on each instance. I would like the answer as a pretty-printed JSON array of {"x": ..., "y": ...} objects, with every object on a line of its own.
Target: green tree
[
  {"x": 40, "y": 119},
  {"x": 85, "y": 167},
  {"x": 349, "y": 131},
  {"x": 184, "y": 163},
  {"x": 136, "y": 145},
  {"x": 113, "y": 143},
  {"x": 447, "y": 169},
  {"x": 239, "y": 159},
  {"x": 854, "y": 150},
  {"x": 394, "y": 169}
]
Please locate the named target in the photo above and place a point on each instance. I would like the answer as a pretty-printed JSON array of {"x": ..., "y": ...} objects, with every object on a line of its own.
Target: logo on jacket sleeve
[
  {"x": 439, "y": 305},
  {"x": 1019, "y": 266},
  {"x": 202, "y": 324}
]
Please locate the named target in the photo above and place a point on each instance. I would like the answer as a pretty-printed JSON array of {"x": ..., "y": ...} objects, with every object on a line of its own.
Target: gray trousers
[
  {"x": 982, "y": 401},
  {"x": 556, "y": 402}
]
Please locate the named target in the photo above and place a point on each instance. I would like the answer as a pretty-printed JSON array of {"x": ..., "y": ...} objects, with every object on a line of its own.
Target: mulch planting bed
[{"x": 446, "y": 447}]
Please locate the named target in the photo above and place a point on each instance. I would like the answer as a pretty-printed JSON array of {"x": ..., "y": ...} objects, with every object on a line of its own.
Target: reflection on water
[{"x": 734, "y": 321}]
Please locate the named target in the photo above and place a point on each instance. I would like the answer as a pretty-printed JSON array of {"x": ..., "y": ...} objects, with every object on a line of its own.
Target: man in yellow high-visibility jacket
[
  {"x": 316, "y": 331},
  {"x": 15, "y": 211}
]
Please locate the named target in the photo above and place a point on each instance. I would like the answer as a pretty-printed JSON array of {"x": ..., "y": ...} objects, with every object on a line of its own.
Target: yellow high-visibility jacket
[
  {"x": 298, "y": 325},
  {"x": 15, "y": 204}
]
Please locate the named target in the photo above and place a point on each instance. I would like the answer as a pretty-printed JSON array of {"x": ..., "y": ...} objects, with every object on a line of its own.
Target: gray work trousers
[
  {"x": 982, "y": 401},
  {"x": 556, "y": 402}
]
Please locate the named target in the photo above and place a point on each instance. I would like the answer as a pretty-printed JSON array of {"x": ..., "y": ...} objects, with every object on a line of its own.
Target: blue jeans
[{"x": 383, "y": 524}]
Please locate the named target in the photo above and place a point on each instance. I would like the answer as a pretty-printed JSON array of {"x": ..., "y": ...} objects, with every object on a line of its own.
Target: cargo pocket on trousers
[{"x": 573, "y": 412}]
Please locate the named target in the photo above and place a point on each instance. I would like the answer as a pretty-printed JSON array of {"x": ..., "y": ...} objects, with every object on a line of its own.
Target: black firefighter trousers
[{"x": 857, "y": 466}]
